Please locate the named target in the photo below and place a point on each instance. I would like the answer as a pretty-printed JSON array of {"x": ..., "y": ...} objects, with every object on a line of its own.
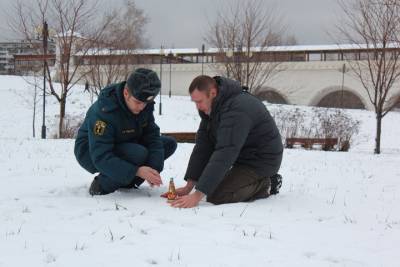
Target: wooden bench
[
  {"x": 326, "y": 143},
  {"x": 182, "y": 137}
]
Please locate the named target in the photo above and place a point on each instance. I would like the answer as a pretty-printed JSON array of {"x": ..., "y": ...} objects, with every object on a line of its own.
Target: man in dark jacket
[
  {"x": 119, "y": 137},
  {"x": 238, "y": 149}
]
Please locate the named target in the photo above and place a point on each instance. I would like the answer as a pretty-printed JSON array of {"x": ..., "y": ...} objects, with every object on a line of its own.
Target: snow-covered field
[{"x": 334, "y": 209}]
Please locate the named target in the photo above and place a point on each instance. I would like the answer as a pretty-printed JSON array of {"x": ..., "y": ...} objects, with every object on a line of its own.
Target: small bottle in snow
[{"x": 171, "y": 190}]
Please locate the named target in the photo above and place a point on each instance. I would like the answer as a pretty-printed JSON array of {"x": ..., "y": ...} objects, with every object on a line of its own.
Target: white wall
[{"x": 301, "y": 83}]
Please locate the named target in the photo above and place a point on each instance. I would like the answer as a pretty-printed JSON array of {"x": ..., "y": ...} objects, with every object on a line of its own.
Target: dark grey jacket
[{"x": 239, "y": 130}]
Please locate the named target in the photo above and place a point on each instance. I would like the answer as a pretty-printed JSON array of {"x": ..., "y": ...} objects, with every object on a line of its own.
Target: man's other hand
[
  {"x": 150, "y": 175},
  {"x": 188, "y": 201}
]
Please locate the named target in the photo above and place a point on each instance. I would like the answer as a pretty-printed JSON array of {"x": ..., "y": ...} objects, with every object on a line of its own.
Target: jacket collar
[{"x": 227, "y": 88}]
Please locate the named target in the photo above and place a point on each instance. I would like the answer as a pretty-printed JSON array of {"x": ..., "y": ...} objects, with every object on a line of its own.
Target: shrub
[{"x": 319, "y": 123}]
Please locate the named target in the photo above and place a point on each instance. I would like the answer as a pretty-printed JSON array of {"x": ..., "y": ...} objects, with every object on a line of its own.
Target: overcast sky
[{"x": 183, "y": 23}]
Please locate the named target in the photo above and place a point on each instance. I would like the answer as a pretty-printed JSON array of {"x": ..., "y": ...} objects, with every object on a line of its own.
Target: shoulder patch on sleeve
[{"x": 99, "y": 127}]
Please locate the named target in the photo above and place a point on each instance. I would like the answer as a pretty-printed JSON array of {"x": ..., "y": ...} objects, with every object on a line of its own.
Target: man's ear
[
  {"x": 213, "y": 92},
  {"x": 126, "y": 92}
]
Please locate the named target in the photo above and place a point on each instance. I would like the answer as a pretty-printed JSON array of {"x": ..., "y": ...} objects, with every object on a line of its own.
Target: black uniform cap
[{"x": 144, "y": 84}]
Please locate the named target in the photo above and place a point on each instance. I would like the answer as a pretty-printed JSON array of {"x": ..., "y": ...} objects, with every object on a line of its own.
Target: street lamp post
[
  {"x": 202, "y": 58},
  {"x": 170, "y": 55},
  {"x": 249, "y": 54},
  {"x": 161, "y": 62},
  {"x": 229, "y": 54},
  {"x": 45, "y": 35},
  {"x": 341, "y": 96}
]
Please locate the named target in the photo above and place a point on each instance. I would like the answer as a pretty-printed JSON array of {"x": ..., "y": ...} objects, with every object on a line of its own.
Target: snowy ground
[{"x": 335, "y": 209}]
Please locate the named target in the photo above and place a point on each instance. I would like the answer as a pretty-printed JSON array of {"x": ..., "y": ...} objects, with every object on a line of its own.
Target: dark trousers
[
  {"x": 240, "y": 184},
  {"x": 131, "y": 152}
]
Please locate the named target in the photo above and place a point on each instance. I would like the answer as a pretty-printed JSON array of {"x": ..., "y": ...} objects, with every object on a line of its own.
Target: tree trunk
[
  {"x": 378, "y": 133},
  {"x": 62, "y": 116}
]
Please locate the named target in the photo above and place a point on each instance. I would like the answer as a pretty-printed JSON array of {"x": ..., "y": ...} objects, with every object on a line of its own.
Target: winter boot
[
  {"x": 95, "y": 188},
  {"x": 276, "y": 183}
]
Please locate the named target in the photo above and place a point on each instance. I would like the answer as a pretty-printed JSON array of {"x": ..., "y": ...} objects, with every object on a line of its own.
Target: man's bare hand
[
  {"x": 188, "y": 201},
  {"x": 150, "y": 175}
]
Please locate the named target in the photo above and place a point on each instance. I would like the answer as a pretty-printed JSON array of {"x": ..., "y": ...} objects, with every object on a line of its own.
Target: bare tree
[
  {"x": 111, "y": 59},
  {"x": 35, "y": 101},
  {"x": 31, "y": 99},
  {"x": 76, "y": 27},
  {"x": 374, "y": 26},
  {"x": 242, "y": 34},
  {"x": 290, "y": 40}
]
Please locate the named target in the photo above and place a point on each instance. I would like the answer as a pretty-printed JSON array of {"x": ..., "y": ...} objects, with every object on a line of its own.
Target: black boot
[
  {"x": 95, "y": 188},
  {"x": 276, "y": 183}
]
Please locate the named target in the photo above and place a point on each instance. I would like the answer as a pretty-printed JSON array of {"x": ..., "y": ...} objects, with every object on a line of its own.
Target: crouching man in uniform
[
  {"x": 119, "y": 138},
  {"x": 238, "y": 149}
]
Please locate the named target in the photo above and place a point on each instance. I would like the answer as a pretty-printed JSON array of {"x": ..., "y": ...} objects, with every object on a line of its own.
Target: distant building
[
  {"x": 311, "y": 75},
  {"x": 23, "y": 57},
  {"x": 27, "y": 63}
]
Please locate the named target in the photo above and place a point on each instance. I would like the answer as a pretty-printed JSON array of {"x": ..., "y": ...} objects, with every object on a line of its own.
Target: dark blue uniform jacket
[{"x": 109, "y": 122}]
